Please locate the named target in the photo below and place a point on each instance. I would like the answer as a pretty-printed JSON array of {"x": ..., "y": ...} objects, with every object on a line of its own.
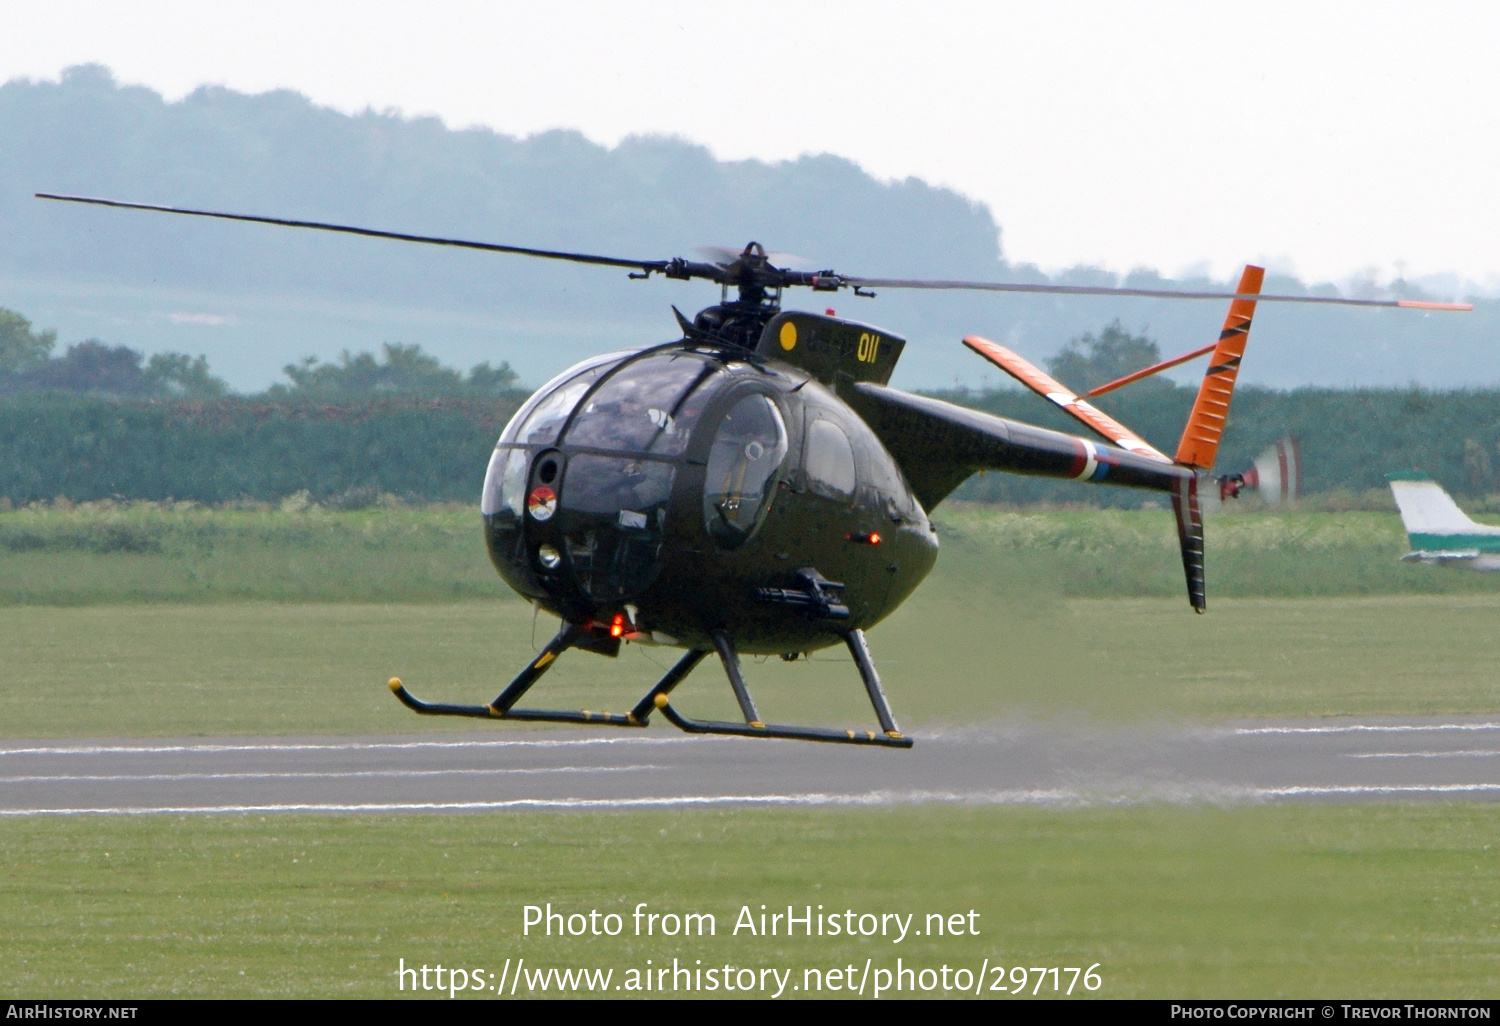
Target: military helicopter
[{"x": 756, "y": 487}]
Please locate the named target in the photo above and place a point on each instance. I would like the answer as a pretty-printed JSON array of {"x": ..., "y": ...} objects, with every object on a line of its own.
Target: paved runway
[{"x": 1034, "y": 764}]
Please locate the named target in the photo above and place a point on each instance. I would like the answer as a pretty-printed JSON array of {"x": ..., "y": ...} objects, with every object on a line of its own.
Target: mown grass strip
[
  {"x": 950, "y": 657},
  {"x": 146, "y": 552},
  {"x": 1395, "y": 901}
]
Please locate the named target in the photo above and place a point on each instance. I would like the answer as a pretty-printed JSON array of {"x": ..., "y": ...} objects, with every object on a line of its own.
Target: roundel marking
[
  {"x": 542, "y": 503},
  {"x": 788, "y": 336},
  {"x": 1086, "y": 462}
]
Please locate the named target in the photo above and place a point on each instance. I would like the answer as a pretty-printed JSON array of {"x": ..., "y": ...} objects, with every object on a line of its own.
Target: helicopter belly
[
  {"x": 761, "y": 594},
  {"x": 681, "y": 593}
]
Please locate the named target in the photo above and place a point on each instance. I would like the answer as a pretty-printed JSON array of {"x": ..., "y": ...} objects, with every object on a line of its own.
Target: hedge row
[
  {"x": 87, "y": 448},
  {"x": 436, "y": 449}
]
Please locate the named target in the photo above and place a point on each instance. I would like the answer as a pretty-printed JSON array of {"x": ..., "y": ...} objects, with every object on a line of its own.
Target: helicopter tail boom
[{"x": 939, "y": 445}]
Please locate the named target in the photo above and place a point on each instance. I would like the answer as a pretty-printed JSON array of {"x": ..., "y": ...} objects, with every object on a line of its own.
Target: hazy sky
[{"x": 1329, "y": 138}]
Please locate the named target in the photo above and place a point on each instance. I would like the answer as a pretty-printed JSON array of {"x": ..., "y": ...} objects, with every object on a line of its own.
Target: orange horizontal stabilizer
[
  {"x": 1417, "y": 304},
  {"x": 1055, "y": 392},
  {"x": 1200, "y": 439}
]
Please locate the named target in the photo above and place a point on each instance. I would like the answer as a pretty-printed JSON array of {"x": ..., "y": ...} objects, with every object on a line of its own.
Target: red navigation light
[
  {"x": 874, "y": 538},
  {"x": 829, "y": 312},
  {"x": 617, "y": 626}
]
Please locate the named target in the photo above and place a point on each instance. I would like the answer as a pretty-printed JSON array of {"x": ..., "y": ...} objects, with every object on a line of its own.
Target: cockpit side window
[
  {"x": 879, "y": 472},
  {"x": 829, "y": 461},
  {"x": 505, "y": 484},
  {"x": 748, "y": 448},
  {"x": 647, "y": 405}
]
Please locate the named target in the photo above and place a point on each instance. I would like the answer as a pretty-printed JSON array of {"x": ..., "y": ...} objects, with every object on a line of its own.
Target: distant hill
[{"x": 254, "y": 299}]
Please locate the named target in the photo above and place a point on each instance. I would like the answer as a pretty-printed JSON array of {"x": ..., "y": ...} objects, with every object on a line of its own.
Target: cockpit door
[{"x": 749, "y": 446}]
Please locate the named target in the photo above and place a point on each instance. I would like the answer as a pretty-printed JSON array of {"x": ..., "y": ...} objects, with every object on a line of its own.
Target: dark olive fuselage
[{"x": 677, "y": 489}]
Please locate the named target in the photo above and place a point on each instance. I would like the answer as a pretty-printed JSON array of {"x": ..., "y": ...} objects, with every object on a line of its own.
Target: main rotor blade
[
  {"x": 1099, "y": 290},
  {"x": 770, "y": 276},
  {"x": 431, "y": 240}
]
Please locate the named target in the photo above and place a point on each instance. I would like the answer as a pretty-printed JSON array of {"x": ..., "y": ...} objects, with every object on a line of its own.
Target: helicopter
[{"x": 756, "y": 487}]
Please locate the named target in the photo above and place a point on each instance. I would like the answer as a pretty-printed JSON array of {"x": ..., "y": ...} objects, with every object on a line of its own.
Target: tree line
[
  {"x": 99, "y": 422},
  {"x": 29, "y": 366}
]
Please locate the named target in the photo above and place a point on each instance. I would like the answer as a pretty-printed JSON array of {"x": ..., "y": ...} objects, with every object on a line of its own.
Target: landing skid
[{"x": 503, "y": 707}]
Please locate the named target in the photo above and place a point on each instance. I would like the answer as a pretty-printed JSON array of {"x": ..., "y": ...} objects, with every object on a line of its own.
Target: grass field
[
  {"x": 145, "y": 552},
  {"x": 277, "y": 622},
  {"x": 946, "y": 658},
  {"x": 150, "y": 622},
  {"x": 1354, "y": 901}
]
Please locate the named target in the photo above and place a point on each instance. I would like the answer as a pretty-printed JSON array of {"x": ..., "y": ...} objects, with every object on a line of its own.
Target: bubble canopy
[
  {"x": 579, "y": 489},
  {"x": 646, "y": 404},
  {"x": 624, "y": 402}
]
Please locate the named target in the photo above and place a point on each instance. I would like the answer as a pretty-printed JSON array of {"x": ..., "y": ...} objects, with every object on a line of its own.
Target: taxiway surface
[{"x": 1034, "y": 764}]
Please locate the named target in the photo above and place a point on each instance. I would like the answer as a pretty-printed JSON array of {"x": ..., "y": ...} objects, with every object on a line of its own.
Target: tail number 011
[{"x": 869, "y": 347}]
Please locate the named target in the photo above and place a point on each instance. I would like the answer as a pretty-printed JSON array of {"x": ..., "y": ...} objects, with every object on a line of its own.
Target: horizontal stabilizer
[
  {"x": 1441, "y": 558},
  {"x": 1061, "y": 396},
  {"x": 1468, "y": 559}
]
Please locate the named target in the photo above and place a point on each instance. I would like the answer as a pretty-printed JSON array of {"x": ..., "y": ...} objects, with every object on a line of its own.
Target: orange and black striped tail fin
[{"x": 1200, "y": 439}]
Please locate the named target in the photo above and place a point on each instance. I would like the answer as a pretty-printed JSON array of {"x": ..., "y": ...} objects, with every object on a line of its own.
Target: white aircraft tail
[{"x": 1428, "y": 510}]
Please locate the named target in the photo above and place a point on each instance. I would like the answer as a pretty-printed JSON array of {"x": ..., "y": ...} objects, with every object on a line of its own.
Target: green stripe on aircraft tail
[{"x": 1455, "y": 542}]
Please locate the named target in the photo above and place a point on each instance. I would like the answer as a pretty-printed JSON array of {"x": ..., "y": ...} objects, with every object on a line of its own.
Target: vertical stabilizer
[
  {"x": 1427, "y": 510},
  {"x": 1190, "y": 535},
  {"x": 1200, "y": 439}
]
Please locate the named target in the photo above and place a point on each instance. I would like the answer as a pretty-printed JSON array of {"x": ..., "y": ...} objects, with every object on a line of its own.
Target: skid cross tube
[
  {"x": 890, "y": 737},
  {"x": 502, "y": 708},
  {"x": 860, "y": 650},
  {"x": 731, "y": 660},
  {"x": 563, "y": 640},
  {"x": 673, "y": 677}
]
